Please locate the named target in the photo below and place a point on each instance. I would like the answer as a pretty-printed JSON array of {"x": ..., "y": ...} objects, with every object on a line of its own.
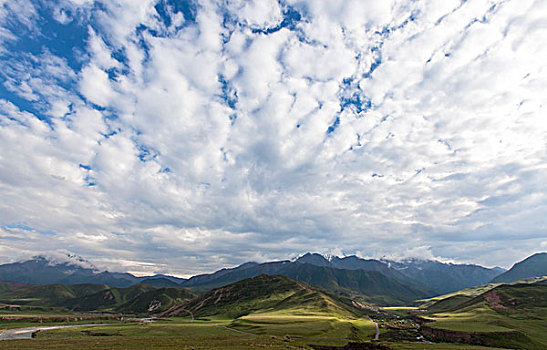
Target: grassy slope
[
  {"x": 437, "y": 346},
  {"x": 517, "y": 307},
  {"x": 264, "y": 293},
  {"x": 90, "y": 297},
  {"x": 276, "y": 305},
  {"x": 10, "y": 286},
  {"x": 372, "y": 286},
  {"x": 156, "y": 300},
  {"x": 169, "y": 334},
  {"x": 48, "y": 295},
  {"x": 452, "y": 300},
  {"x": 287, "y": 314}
]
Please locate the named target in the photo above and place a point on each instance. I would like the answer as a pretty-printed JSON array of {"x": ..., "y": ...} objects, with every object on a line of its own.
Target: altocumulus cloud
[{"x": 181, "y": 136}]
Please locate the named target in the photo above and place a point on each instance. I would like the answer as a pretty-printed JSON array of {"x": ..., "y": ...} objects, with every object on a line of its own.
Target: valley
[{"x": 307, "y": 304}]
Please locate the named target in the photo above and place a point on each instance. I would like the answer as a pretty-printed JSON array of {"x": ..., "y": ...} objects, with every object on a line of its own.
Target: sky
[{"x": 181, "y": 136}]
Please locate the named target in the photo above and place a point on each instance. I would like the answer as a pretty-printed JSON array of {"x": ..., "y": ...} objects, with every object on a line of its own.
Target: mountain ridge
[
  {"x": 533, "y": 266},
  {"x": 46, "y": 270},
  {"x": 432, "y": 277}
]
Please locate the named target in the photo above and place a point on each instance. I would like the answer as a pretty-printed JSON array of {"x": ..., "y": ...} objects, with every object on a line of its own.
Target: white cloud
[
  {"x": 257, "y": 13},
  {"x": 208, "y": 137},
  {"x": 95, "y": 86}
]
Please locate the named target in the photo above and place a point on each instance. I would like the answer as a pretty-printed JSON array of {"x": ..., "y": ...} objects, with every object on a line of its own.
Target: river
[{"x": 26, "y": 333}]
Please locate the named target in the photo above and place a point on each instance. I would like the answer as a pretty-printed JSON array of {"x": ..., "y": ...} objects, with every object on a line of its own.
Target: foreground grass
[
  {"x": 161, "y": 335},
  {"x": 270, "y": 331},
  {"x": 528, "y": 322},
  {"x": 286, "y": 329},
  {"x": 307, "y": 329},
  {"x": 481, "y": 319},
  {"x": 180, "y": 334},
  {"x": 24, "y": 323},
  {"x": 436, "y": 346}
]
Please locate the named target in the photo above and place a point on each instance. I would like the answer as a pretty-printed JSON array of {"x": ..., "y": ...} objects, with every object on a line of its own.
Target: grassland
[
  {"x": 507, "y": 315},
  {"x": 268, "y": 332},
  {"x": 162, "y": 335},
  {"x": 136, "y": 299},
  {"x": 30, "y": 316},
  {"x": 437, "y": 346},
  {"x": 265, "y": 311},
  {"x": 274, "y": 312}
]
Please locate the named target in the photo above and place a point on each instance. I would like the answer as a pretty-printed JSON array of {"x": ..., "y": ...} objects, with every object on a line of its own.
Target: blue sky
[{"x": 183, "y": 136}]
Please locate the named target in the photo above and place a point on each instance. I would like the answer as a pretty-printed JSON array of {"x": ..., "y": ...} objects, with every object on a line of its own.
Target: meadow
[{"x": 263, "y": 331}]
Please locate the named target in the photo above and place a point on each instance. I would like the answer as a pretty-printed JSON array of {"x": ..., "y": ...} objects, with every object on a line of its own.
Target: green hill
[
  {"x": 9, "y": 286},
  {"x": 139, "y": 298},
  {"x": 59, "y": 295},
  {"x": 371, "y": 286},
  {"x": 277, "y": 306},
  {"x": 510, "y": 316},
  {"x": 533, "y": 266},
  {"x": 108, "y": 299},
  {"x": 156, "y": 300},
  {"x": 261, "y": 294},
  {"x": 454, "y": 300}
]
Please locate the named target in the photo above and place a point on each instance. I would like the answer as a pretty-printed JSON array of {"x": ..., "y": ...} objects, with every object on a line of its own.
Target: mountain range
[
  {"x": 72, "y": 270},
  {"x": 376, "y": 281}
]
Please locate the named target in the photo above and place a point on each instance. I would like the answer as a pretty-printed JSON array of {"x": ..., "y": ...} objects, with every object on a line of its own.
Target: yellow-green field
[
  {"x": 511, "y": 317},
  {"x": 325, "y": 328},
  {"x": 162, "y": 335},
  {"x": 436, "y": 346},
  {"x": 269, "y": 332}
]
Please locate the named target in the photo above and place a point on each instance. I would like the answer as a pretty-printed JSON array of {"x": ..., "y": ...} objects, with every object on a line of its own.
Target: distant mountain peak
[
  {"x": 533, "y": 266},
  {"x": 68, "y": 259},
  {"x": 314, "y": 259}
]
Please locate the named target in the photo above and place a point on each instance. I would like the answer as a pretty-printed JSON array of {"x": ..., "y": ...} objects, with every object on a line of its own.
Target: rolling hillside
[
  {"x": 259, "y": 294},
  {"x": 139, "y": 298},
  {"x": 373, "y": 286},
  {"x": 402, "y": 281},
  {"x": 420, "y": 277},
  {"x": 509, "y": 316},
  {"x": 58, "y": 295}
]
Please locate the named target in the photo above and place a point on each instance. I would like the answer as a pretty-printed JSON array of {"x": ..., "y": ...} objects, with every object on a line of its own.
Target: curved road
[{"x": 377, "y": 337}]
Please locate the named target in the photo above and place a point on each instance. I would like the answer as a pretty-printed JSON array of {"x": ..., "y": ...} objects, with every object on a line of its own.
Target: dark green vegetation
[
  {"x": 312, "y": 303},
  {"x": 369, "y": 286},
  {"x": 263, "y": 294},
  {"x": 383, "y": 282},
  {"x": 137, "y": 299},
  {"x": 433, "y": 276},
  {"x": 508, "y": 316},
  {"x": 533, "y": 266},
  {"x": 375, "y": 281},
  {"x": 168, "y": 334},
  {"x": 271, "y": 311}
]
